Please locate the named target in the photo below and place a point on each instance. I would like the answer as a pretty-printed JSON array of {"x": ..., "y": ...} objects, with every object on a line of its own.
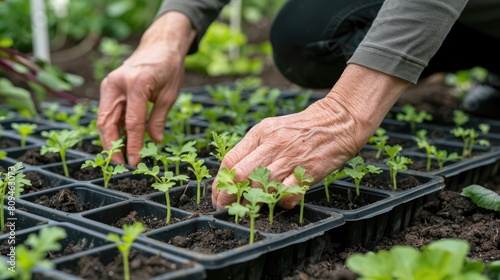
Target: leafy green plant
[
  {"x": 423, "y": 143},
  {"x": 443, "y": 157},
  {"x": 358, "y": 170},
  {"x": 162, "y": 183},
  {"x": 24, "y": 129},
  {"x": 199, "y": 170},
  {"x": 460, "y": 118},
  {"x": 378, "y": 141},
  {"x": 412, "y": 117},
  {"x": 177, "y": 150},
  {"x": 482, "y": 197},
  {"x": 103, "y": 161},
  {"x": 223, "y": 143},
  {"x": 58, "y": 141},
  {"x": 225, "y": 181},
  {"x": 11, "y": 185},
  {"x": 330, "y": 178},
  {"x": 34, "y": 253},
  {"x": 470, "y": 137},
  {"x": 396, "y": 162},
  {"x": 183, "y": 110},
  {"x": 254, "y": 196},
  {"x": 124, "y": 243},
  {"x": 299, "y": 173},
  {"x": 274, "y": 190},
  {"x": 442, "y": 259},
  {"x": 112, "y": 56}
]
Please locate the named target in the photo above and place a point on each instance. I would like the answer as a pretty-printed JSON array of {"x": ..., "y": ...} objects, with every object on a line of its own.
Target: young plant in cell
[
  {"x": 254, "y": 196},
  {"x": 378, "y": 141},
  {"x": 33, "y": 253},
  {"x": 124, "y": 243},
  {"x": 442, "y": 259},
  {"x": 430, "y": 149},
  {"x": 412, "y": 117},
  {"x": 396, "y": 163},
  {"x": 183, "y": 110},
  {"x": 358, "y": 170},
  {"x": 199, "y": 170},
  {"x": 299, "y": 173},
  {"x": 11, "y": 185},
  {"x": 225, "y": 181},
  {"x": 460, "y": 118},
  {"x": 24, "y": 130},
  {"x": 177, "y": 150},
  {"x": 443, "y": 157},
  {"x": 470, "y": 137},
  {"x": 330, "y": 178},
  {"x": 223, "y": 143},
  {"x": 274, "y": 189},
  {"x": 265, "y": 97},
  {"x": 103, "y": 161},
  {"x": 162, "y": 183},
  {"x": 58, "y": 141},
  {"x": 482, "y": 197}
]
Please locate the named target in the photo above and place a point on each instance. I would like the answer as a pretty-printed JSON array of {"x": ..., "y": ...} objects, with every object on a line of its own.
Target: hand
[
  {"x": 321, "y": 138},
  {"x": 154, "y": 72}
]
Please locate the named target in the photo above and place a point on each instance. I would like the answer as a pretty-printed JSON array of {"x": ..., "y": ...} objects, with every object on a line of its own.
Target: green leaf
[
  {"x": 372, "y": 265},
  {"x": 482, "y": 197},
  {"x": 237, "y": 209},
  {"x": 52, "y": 81}
]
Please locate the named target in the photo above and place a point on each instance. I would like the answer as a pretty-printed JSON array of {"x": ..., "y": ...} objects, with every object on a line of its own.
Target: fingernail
[{"x": 132, "y": 160}]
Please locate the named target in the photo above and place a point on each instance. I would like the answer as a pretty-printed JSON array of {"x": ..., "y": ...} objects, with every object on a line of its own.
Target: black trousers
[{"x": 312, "y": 41}]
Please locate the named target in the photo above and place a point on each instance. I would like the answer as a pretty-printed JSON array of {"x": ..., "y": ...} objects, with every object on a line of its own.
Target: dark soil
[
  {"x": 75, "y": 172},
  {"x": 33, "y": 157},
  {"x": 187, "y": 202},
  {"x": 132, "y": 186},
  {"x": 64, "y": 200},
  {"x": 449, "y": 216},
  {"x": 89, "y": 148},
  {"x": 380, "y": 182},
  {"x": 7, "y": 143},
  {"x": 211, "y": 241},
  {"x": 141, "y": 267},
  {"x": 283, "y": 221},
  {"x": 37, "y": 182},
  {"x": 338, "y": 201},
  {"x": 151, "y": 222}
]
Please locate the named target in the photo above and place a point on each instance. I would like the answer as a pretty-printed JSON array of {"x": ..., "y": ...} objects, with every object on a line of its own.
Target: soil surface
[
  {"x": 34, "y": 157},
  {"x": 210, "y": 241},
  {"x": 132, "y": 186},
  {"x": 64, "y": 200},
  {"x": 151, "y": 222},
  {"x": 7, "y": 143},
  {"x": 187, "y": 201},
  {"x": 141, "y": 267},
  {"x": 37, "y": 182},
  {"x": 449, "y": 216},
  {"x": 75, "y": 172},
  {"x": 337, "y": 201}
]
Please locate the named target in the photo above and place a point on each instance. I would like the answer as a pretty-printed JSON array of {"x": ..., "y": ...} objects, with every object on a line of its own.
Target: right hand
[{"x": 154, "y": 72}]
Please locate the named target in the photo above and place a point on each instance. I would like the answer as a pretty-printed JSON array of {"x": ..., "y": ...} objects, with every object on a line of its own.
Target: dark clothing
[{"x": 313, "y": 40}]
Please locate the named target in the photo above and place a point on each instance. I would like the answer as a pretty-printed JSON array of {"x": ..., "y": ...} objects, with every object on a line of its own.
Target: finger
[
  {"x": 289, "y": 201},
  {"x": 135, "y": 120},
  {"x": 111, "y": 106},
  {"x": 242, "y": 149},
  {"x": 156, "y": 122}
]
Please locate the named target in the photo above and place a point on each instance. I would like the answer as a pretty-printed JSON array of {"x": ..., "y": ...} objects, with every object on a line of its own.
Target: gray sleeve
[
  {"x": 201, "y": 13},
  {"x": 405, "y": 35}
]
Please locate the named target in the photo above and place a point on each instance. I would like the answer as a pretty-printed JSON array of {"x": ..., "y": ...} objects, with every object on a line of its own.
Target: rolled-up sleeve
[
  {"x": 405, "y": 35},
  {"x": 201, "y": 13}
]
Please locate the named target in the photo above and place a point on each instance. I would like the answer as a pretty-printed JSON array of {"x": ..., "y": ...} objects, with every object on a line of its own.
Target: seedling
[
  {"x": 412, "y": 117},
  {"x": 199, "y": 170},
  {"x": 58, "y": 141},
  {"x": 24, "y": 129},
  {"x": 177, "y": 151},
  {"x": 254, "y": 196},
  {"x": 299, "y": 173},
  {"x": 275, "y": 190},
  {"x": 396, "y": 163},
  {"x": 470, "y": 138},
  {"x": 163, "y": 183},
  {"x": 223, "y": 143},
  {"x": 460, "y": 118},
  {"x": 103, "y": 160},
  {"x": 225, "y": 181},
  {"x": 183, "y": 110},
  {"x": 358, "y": 170},
  {"x": 11, "y": 185},
  {"x": 378, "y": 141},
  {"x": 442, "y": 259},
  {"x": 124, "y": 244},
  {"x": 330, "y": 178},
  {"x": 423, "y": 143},
  {"x": 153, "y": 150},
  {"x": 34, "y": 253},
  {"x": 442, "y": 157}
]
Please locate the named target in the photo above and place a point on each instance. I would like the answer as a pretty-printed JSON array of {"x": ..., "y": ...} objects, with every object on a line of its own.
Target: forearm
[
  {"x": 366, "y": 95},
  {"x": 406, "y": 34},
  {"x": 172, "y": 30},
  {"x": 201, "y": 13}
]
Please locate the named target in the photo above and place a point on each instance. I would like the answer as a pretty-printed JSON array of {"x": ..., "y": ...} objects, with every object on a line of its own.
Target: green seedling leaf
[
  {"x": 124, "y": 244},
  {"x": 237, "y": 209},
  {"x": 482, "y": 197}
]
